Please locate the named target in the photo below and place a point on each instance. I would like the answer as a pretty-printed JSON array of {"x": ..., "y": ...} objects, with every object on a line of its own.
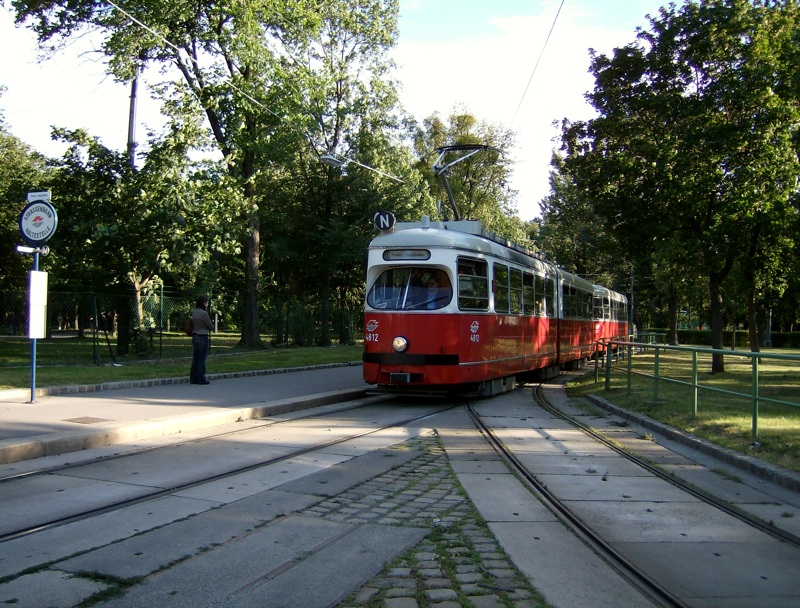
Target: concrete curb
[
  {"x": 102, "y": 435},
  {"x": 21, "y": 393},
  {"x": 782, "y": 477}
]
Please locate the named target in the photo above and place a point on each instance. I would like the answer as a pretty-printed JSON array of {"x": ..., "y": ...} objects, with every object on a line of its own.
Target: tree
[
  {"x": 21, "y": 171},
  {"x": 696, "y": 138},
  {"x": 229, "y": 55},
  {"x": 128, "y": 229},
  {"x": 319, "y": 220}
]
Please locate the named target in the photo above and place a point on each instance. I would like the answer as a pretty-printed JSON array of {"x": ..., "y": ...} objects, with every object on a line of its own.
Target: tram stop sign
[{"x": 38, "y": 220}]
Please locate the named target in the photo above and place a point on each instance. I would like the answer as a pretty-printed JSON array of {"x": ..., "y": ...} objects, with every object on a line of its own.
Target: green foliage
[
  {"x": 21, "y": 171},
  {"x": 155, "y": 222},
  {"x": 692, "y": 161},
  {"x": 316, "y": 221}
]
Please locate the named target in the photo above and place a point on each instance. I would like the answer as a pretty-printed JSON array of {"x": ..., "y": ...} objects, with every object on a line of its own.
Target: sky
[{"x": 473, "y": 55}]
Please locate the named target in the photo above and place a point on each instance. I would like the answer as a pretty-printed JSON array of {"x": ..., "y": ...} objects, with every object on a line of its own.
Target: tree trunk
[
  {"x": 251, "y": 334},
  {"x": 672, "y": 304},
  {"x": 124, "y": 323},
  {"x": 716, "y": 279},
  {"x": 717, "y": 338}
]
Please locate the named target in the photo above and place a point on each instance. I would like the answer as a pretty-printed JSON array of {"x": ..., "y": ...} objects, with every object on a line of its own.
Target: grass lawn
[
  {"x": 722, "y": 418},
  {"x": 70, "y": 360}
]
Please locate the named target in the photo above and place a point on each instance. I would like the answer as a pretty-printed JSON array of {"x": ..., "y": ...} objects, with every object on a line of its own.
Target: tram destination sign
[{"x": 38, "y": 220}]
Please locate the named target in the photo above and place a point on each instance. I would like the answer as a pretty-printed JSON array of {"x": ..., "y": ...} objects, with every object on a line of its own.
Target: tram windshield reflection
[{"x": 411, "y": 288}]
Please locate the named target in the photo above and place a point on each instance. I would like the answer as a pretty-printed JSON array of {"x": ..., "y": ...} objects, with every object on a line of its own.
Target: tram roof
[
  {"x": 469, "y": 235},
  {"x": 600, "y": 290}
]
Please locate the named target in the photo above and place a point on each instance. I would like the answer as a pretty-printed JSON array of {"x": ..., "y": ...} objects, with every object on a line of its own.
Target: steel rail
[
  {"x": 22, "y": 532},
  {"x": 698, "y": 493},
  {"x": 139, "y": 451},
  {"x": 619, "y": 563}
]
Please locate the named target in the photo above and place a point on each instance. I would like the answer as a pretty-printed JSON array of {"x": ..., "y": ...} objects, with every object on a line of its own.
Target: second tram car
[
  {"x": 452, "y": 306},
  {"x": 610, "y": 316}
]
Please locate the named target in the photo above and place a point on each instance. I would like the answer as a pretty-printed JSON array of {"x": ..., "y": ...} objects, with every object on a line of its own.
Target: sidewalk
[{"x": 67, "y": 419}]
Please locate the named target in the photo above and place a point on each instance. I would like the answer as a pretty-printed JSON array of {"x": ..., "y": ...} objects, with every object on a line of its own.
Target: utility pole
[{"x": 132, "y": 119}]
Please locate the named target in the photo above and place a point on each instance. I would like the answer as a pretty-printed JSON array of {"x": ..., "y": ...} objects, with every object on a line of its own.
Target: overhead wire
[{"x": 533, "y": 72}]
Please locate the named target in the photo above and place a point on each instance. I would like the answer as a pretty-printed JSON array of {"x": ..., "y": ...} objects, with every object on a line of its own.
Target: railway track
[
  {"x": 143, "y": 499},
  {"x": 600, "y": 528},
  {"x": 144, "y": 491},
  {"x": 698, "y": 492},
  {"x": 623, "y": 566}
]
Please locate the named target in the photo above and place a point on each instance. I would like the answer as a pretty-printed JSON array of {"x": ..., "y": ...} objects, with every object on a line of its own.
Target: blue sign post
[{"x": 37, "y": 223}]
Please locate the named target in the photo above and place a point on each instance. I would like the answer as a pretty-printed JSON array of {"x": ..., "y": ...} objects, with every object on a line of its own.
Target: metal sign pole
[
  {"x": 33, "y": 340},
  {"x": 37, "y": 223}
]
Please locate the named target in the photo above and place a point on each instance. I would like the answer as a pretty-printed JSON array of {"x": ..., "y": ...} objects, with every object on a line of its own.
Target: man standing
[{"x": 200, "y": 341}]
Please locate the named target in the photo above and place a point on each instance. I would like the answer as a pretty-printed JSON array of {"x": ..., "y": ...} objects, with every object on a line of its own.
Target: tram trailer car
[
  {"x": 610, "y": 316},
  {"x": 451, "y": 306}
]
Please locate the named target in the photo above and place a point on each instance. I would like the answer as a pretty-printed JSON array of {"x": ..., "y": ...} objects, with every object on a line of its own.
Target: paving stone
[
  {"x": 486, "y": 601},
  {"x": 438, "y": 583},
  {"x": 423, "y": 493},
  {"x": 366, "y": 594},
  {"x": 401, "y": 602},
  {"x": 468, "y": 577},
  {"x": 440, "y": 595},
  {"x": 400, "y": 592}
]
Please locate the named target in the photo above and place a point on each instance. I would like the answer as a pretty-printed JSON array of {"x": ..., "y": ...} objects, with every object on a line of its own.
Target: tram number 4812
[
  {"x": 371, "y": 337},
  {"x": 475, "y": 338}
]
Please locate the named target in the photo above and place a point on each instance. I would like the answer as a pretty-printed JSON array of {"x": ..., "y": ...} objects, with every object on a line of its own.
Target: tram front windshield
[{"x": 411, "y": 288}]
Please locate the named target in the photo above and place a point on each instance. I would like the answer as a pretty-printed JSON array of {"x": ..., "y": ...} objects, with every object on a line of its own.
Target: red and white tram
[{"x": 452, "y": 306}]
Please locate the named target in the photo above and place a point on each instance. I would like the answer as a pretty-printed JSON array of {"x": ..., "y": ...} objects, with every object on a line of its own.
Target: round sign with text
[{"x": 38, "y": 222}]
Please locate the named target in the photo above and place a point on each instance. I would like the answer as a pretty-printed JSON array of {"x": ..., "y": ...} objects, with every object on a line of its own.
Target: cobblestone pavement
[{"x": 459, "y": 563}]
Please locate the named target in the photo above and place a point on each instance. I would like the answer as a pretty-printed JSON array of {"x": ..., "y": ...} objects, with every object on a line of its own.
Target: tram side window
[
  {"x": 569, "y": 301},
  {"x": 528, "y": 294},
  {"x": 604, "y": 308},
  {"x": 500, "y": 285},
  {"x": 585, "y": 306},
  {"x": 550, "y": 299},
  {"x": 473, "y": 284},
  {"x": 544, "y": 297},
  {"x": 516, "y": 291}
]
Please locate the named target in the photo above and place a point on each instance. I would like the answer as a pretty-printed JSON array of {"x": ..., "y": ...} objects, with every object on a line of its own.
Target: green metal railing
[{"x": 616, "y": 350}]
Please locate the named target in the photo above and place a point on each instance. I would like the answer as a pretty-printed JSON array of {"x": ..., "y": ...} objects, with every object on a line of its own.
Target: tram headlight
[{"x": 400, "y": 344}]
